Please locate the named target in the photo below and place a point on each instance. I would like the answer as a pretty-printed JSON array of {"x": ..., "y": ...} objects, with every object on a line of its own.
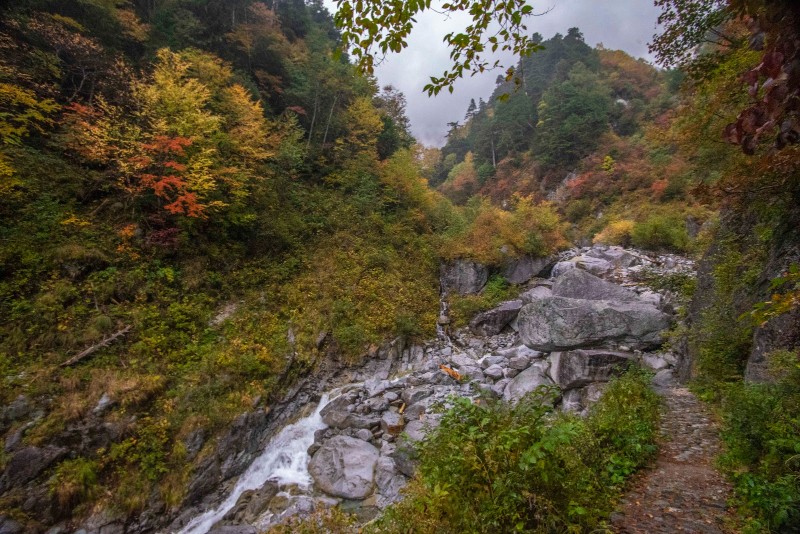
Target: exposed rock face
[
  {"x": 523, "y": 269},
  {"x": 524, "y": 383},
  {"x": 777, "y": 333},
  {"x": 9, "y": 526},
  {"x": 557, "y": 323},
  {"x": 492, "y": 322},
  {"x": 464, "y": 277},
  {"x": 579, "y": 284},
  {"x": 580, "y": 368},
  {"x": 239, "y": 446},
  {"x": 27, "y": 464},
  {"x": 345, "y": 467}
]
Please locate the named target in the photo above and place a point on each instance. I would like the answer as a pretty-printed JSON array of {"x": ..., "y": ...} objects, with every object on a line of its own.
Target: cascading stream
[
  {"x": 284, "y": 460},
  {"x": 444, "y": 316}
]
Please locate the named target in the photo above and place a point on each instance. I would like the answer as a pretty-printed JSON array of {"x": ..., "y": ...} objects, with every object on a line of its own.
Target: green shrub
[
  {"x": 494, "y": 467},
  {"x": 661, "y": 232},
  {"x": 762, "y": 453},
  {"x": 464, "y": 307}
]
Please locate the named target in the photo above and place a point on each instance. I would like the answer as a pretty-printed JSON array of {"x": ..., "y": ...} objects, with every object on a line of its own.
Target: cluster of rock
[{"x": 573, "y": 332}]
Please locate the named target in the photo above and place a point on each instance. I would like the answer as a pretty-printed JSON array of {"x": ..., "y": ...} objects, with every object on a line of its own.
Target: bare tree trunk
[
  {"x": 330, "y": 116},
  {"x": 313, "y": 117}
]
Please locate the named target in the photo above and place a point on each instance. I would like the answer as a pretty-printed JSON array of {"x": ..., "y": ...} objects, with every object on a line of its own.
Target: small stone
[
  {"x": 510, "y": 373},
  {"x": 392, "y": 423},
  {"x": 489, "y": 360},
  {"x": 415, "y": 394},
  {"x": 363, "y": 433},
  {"x": 519, "y": 362},
  {"x": 494, "y": 372},
  {"x": 415, "y": 411}
]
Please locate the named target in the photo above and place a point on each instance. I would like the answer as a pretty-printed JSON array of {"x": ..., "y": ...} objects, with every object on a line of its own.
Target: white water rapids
[{"x": 284, "y": 460}]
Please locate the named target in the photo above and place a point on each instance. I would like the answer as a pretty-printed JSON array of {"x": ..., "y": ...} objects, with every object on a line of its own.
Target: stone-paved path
[{"x": 682, "y": 492}]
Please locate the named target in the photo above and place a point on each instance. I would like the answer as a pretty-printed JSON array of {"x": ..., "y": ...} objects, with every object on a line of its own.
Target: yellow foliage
[
  {"x": 21, "y": 112},
  {"x": 616, "y": 233},
  {"x": 173, "y": 101},
  {"x": 364, "y": 125},
  {"x": 493, "y": 235}
]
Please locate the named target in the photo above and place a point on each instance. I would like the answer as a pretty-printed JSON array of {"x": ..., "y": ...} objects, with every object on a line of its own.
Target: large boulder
[
  {"x": 492, "y": 322},
  {"x": 525, "y": 382},
  {"x": 597, "y": 266},
  {"x": 617, "y": 256},
  {"x": 523, "y": 269},
  {"x": 558, "y": 323},
  {"x": 345, "y": 467},
  {"x": 580, "y": 368},
  {"x": 464, "y": 277},
  {"x": 336, "y": 412},
  {"x": 580, "y": 284}
]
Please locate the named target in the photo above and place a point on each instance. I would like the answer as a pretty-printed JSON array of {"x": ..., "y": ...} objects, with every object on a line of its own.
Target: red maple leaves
[{"x": 162, "y": 173}]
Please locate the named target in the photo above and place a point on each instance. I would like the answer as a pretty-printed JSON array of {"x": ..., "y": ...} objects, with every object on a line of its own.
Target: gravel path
[{"x": 682, "y": 492}]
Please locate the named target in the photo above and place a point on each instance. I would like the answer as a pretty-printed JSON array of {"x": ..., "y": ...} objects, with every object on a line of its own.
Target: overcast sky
[{"x": 619, "y": 24}]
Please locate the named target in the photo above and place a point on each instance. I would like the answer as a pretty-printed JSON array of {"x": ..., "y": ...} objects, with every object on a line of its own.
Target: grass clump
[
  {"x": 762, "y": 436},
  {"x": 494, "y": 467},
  {"x": 464, "y": 307}
]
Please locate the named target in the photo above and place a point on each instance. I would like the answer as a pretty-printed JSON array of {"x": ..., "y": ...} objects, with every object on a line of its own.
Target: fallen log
[{"x": 94, "y": 348}]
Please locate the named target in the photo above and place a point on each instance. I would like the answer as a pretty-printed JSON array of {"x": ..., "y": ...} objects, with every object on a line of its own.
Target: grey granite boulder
[
  {"x": 617, "y": 256},
  {"x": 558, "y": 323},
  {"x": 492, "y": 322},
  {"x": 580, "y": 284},
  {"x": 596, "y": 266},
  {"x": 345, "y": 467},
  {"x": 523, "y": 269},
  {"x": 525, "y": 382},
  {"x": 580, "y": 368}
]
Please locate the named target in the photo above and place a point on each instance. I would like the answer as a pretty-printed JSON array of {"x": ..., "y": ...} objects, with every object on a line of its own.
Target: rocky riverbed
[{"x": 581, "y": 318}]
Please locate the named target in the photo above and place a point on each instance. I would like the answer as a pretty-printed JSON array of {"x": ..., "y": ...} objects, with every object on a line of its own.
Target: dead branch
[{"x": 94, "y": 348}]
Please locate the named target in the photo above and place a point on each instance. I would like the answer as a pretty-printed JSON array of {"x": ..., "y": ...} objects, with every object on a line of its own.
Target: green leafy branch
[
  {"x": 785, "y": 297},
  {"x": 371, "y": 27}
]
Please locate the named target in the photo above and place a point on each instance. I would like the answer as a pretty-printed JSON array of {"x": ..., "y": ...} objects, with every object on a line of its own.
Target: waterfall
[{"x": 284, "y": 460}]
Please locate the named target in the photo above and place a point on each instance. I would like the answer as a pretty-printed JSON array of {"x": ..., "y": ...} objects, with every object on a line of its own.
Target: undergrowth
[{"x": 496, "y": 467}]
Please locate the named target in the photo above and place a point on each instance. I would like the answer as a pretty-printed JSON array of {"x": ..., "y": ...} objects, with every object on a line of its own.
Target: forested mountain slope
[{"x": 202, "y": 204}]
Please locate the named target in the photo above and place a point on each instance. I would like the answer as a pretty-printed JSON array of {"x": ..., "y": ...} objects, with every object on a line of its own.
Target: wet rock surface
[
  {"x": 345, "y": 467},
  {"x": 682, "y": 492}
]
